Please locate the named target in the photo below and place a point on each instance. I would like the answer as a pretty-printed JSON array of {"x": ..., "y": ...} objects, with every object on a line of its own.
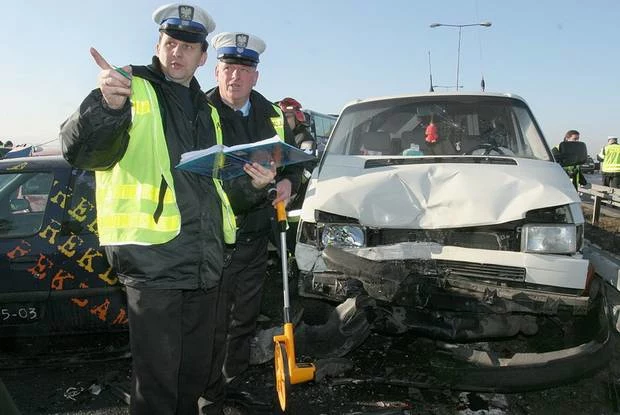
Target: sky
[{"x": 561, "y": 56}]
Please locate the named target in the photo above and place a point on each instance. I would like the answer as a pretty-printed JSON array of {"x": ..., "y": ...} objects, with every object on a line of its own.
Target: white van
[{"x": 450, "y": 213}]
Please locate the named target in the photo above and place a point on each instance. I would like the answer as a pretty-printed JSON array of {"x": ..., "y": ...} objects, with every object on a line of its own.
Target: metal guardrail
[
  {"x": 601, "y": 195},
  {"x": 607, "y": 266}
]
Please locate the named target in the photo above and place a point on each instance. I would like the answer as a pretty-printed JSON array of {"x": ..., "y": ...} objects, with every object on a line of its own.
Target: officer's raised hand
[{"x": 115, "y": 86}]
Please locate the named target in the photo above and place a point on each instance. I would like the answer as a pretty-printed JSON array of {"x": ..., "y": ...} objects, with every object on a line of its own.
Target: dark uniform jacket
[
  {"x": 302, "y": 135},
  {"x": 253, "y": 219},
  {"x": 96, "y": 137}
]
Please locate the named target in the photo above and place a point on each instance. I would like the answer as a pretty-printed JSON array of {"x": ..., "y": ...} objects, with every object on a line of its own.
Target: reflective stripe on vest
[
  {"x": 611, "y": 160},
  {"x": 229, "y": 221},
  {"x": 130, "y": 207}
]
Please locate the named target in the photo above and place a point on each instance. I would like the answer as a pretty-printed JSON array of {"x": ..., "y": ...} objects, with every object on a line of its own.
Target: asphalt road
[{"x": 96, "y": 388}]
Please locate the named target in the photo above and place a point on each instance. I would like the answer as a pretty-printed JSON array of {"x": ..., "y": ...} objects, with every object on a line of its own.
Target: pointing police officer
[
  {"x": 247, "y": 116},
  {"x": 163, "y": 229}
]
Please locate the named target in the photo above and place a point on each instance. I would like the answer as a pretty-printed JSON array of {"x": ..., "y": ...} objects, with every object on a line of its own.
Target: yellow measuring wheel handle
[
  {"x": 281, "y": 211},
  {"x": 298, "y": 373}
]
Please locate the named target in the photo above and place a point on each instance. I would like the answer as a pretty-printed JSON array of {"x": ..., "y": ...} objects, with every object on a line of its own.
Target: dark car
[
  {"x": 55, "y": 278},
  {"x": 589, "y": 166}
]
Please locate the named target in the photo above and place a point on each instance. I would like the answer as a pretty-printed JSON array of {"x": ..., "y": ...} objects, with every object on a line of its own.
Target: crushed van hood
[{"x": 445, "y": 195}]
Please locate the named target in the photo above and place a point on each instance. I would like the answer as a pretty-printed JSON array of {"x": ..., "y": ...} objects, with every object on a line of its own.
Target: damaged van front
[{"x": 449, "y": 212}]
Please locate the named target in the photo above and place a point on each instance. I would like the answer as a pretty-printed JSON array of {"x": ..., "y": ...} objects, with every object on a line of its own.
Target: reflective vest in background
[
  {"x": 136, "y": 202},
  {"x": 278, "y": 125},
  {"x": 611, "y": 160},
  {"x": 278, "y": 122}
]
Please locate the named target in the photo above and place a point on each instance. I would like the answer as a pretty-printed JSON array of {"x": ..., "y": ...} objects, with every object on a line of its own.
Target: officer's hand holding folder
[{"x": 226, "y": 162}]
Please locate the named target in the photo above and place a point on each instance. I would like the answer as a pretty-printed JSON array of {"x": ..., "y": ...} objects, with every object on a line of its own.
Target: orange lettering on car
[
  {"x": 58, "y": 281},
  {"x": 39, "y": 271},
  {"x": 81, "y": 302},
  {"x": 19, "y": 250},
  {"x": 101, "y": 311},
  {"x": 121, "y": 318}
]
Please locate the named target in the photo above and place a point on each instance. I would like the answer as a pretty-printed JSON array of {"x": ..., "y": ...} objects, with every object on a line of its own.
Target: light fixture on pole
[{"x": 458, "y": 53}]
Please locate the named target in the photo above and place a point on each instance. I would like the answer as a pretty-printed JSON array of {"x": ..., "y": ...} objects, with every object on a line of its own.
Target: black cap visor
[
  {"x": 236, "y": 60},
  {"x": 184, "y": 33}
]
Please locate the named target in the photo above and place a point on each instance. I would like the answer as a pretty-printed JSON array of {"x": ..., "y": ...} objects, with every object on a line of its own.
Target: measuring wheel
[{"x": 281, "y": 375}]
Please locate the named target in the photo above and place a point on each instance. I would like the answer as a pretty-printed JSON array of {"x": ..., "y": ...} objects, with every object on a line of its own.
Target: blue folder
[{"x": 227, "y": 162}]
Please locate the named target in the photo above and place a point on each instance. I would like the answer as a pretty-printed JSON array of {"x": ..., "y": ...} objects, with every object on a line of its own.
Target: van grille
[
  {"x": 483, "y": 271},
  {"x": 496, "y": 239}
]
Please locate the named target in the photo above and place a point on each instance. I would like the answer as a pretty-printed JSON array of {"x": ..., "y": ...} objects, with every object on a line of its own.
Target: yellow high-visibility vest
[
  {"x": 611, "y": 160},
  {"x": 130, "y": 206}
]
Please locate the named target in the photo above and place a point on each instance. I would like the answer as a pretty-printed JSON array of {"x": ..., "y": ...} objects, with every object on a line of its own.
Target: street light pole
[
  {"x": 458, "y": 52},
  {"x": 458, "y": 59}
]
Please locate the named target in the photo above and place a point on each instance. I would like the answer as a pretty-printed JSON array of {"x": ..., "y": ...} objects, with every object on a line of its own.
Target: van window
[
  {"x": 437, "y": 126},
  {"x": 23, "y": 200}
]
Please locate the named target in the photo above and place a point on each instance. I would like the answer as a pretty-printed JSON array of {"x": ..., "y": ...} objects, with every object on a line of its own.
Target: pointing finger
[{"x": 100, "y": 60}]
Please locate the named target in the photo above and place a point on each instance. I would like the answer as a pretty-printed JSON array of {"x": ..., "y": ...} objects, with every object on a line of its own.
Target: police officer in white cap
[
  {"x": 246, "y": 116},
  {"x": 163, "y": 229}
]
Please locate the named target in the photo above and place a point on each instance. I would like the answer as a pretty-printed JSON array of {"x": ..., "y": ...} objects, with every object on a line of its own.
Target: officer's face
[
  {"x": 235, "y": 82},
  {"x": 179, "y": 60}
]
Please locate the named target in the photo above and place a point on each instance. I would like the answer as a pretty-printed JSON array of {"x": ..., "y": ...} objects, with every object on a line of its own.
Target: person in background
[
  {"x": 8, "y": 144},
  {"x": 610, "y": 162},
  {"x": 246, "y": 117},
  {"x": 573, "y": 171},
  {"x": 297, "y": 122},
  {"x": 163, "y": 229}
]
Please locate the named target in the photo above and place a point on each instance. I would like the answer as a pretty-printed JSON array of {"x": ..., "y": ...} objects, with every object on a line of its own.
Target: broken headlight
[
  {"x": 549, "y": 238},
  {"x": 343, "y": 236}
]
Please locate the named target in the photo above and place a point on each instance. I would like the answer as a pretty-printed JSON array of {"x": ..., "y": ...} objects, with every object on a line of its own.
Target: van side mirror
[{"x": 572, "y": 153}]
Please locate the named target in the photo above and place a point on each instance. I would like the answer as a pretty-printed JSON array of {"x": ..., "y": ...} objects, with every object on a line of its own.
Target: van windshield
[{"x": 439, "y": 126}]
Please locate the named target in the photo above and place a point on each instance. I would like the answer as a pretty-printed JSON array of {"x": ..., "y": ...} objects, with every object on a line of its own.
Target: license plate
[{"x": 19, "y": 313}]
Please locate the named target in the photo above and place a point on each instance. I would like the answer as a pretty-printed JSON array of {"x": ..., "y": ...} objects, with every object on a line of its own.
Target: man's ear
[
  {"x": 255, "y": 78},
  {"x": 203, "y": 58}
]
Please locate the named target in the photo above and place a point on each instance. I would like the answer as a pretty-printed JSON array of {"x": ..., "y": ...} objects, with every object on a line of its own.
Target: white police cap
[
  {"x": 184, "y": 22},
  {"x": 238, "y": 47}
]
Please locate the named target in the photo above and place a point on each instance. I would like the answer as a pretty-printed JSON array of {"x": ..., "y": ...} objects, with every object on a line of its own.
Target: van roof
[{"x": 437, "y": 94}]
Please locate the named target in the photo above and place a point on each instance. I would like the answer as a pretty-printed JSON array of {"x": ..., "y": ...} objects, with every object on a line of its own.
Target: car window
[
  {"x": 439, "y": 126},
  {"x": 23, "y": 200}
]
